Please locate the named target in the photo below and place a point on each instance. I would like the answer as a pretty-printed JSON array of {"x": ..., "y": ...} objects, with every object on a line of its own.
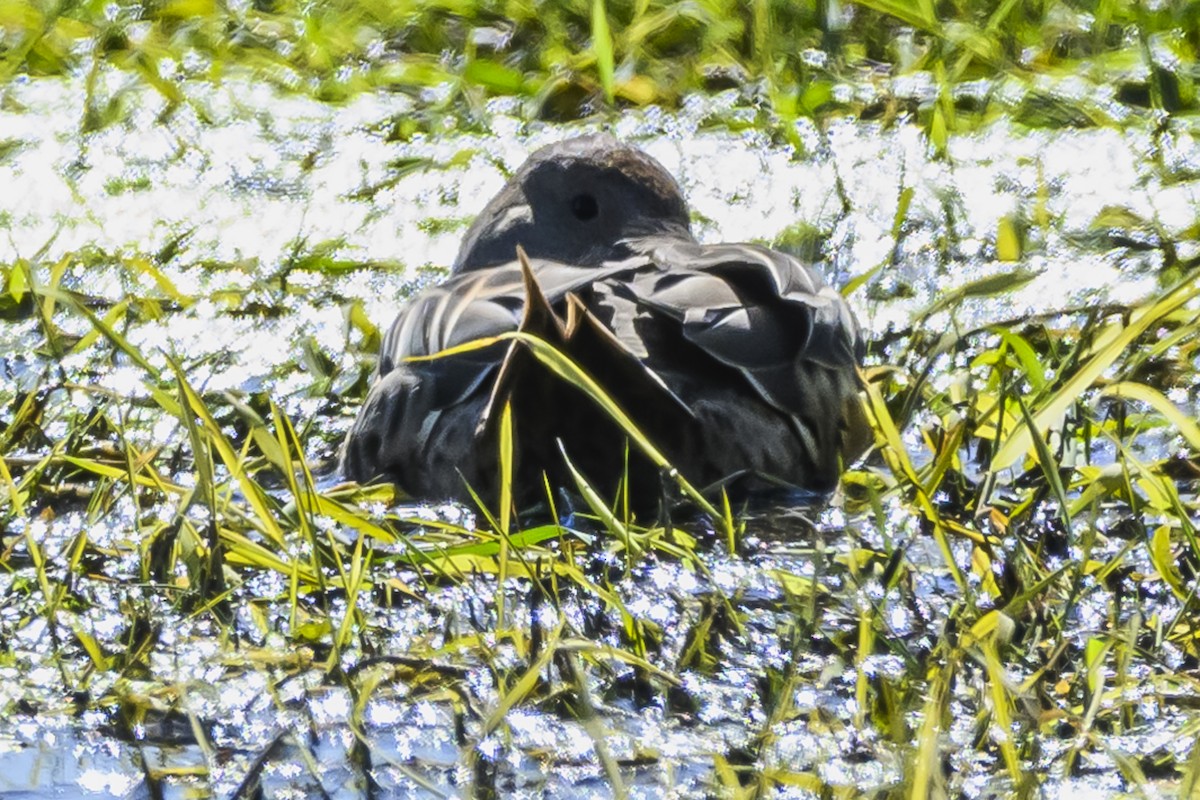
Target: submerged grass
[
  {"x": 1057, "y": 485},
  {"x": 1001, "y": 601}
]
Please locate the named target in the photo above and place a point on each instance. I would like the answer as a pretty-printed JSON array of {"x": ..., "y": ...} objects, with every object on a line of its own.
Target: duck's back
[
  {"x": 763, "y": 353},
  {"x": 737, "y": 361}
]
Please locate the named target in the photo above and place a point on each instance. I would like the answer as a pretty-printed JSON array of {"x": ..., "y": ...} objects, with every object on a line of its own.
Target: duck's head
[{"x": 575, "y": 202}]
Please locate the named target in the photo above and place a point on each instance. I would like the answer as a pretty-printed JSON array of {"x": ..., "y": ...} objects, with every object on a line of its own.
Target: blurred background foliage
[{"x": 568, "y": 58}]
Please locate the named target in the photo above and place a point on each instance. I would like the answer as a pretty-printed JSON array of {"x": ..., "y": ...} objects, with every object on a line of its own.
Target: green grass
[
  {"x": 1027, "y": 531},
  {"x": 1013, "y": 567},
  {"x": 563, "y": 59}
]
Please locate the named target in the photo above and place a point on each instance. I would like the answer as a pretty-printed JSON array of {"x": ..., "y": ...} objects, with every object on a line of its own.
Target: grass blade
[
  {"x": 1111, "y": 343},
  {"x": 602, "y": 48}
]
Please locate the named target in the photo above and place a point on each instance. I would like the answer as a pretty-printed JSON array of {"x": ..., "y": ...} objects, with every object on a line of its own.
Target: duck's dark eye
[{"x": 584, "y": 207}]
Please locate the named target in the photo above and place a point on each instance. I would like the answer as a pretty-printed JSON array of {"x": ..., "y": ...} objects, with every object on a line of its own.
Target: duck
[{"x": 739, "y": 363}]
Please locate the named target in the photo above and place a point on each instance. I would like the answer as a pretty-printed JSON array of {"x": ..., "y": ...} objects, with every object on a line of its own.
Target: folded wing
[{"x": 737, "y": 359}]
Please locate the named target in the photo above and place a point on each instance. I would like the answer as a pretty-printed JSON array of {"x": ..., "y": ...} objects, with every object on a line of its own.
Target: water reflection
[{"x": 220, "y": 204}]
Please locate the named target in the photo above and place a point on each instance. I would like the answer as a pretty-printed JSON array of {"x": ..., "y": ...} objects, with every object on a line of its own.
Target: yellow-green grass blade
[
  {"x": 602, "y": 48},
  {"x": 1108, "y": 348},
  {"x": 250, "y": 489},
  {"x": 572, "y": 373},
  {"x": 897, "y": 456},
  {"x": 1049, "y": 464},
  {"x": 1131, "y": 390},
  {"x": 566, "y": 369}
]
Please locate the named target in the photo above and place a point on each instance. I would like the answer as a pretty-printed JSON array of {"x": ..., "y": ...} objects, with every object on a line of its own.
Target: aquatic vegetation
[{"x": 212, "y": 207}]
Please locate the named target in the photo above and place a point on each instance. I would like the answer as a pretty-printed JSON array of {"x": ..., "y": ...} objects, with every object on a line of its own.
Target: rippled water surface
[{"x": 261, "y": 222}]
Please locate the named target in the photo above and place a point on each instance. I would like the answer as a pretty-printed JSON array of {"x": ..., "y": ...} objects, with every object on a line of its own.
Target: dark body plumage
[{"x": 737, "y": 361}]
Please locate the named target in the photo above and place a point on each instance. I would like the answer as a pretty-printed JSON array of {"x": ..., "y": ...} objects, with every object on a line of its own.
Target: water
[{"x": 260, "y": 220}]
